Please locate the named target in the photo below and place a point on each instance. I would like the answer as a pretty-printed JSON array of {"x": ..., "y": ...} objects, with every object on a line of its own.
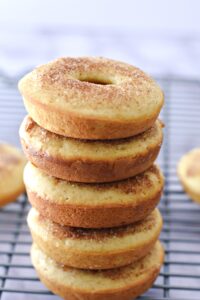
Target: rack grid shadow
[{"x": 180, "y": 275}]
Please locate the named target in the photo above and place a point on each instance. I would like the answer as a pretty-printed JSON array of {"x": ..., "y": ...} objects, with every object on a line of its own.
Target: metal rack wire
[{"x": 180, "y": 276}]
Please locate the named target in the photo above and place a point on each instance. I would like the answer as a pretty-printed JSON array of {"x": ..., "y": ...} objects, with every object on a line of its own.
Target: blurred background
[{"x": 161, "y": 37}]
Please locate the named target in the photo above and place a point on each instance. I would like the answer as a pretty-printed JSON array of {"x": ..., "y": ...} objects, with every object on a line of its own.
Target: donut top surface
[
  {"x": 93, "y": 86},
  {"x": 101, "y": 240},
  {"x": 97, "y": 280},
  {"x": 40, "y": 139},
  {"x": 64, "y": 232},
  {"x": 143, "y": 186}
]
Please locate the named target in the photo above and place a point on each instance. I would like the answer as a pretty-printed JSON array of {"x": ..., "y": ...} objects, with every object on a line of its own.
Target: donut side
[
  {"x": 93, "y": 217},
  {"x": 85, "y": 161},
  {"x": 121, "y": 283},
  {"x": 89, "y": 171},
  {"x": 95, "y": 249},
  {"x": 12, "y": 163},
  {"x": 12, "y": 196},
  {"x": 96, "y": 205},
  {"x": 80, "y": 126}
]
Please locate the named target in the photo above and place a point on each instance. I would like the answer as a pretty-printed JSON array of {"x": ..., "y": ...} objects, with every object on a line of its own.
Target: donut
[
  {"x": 189, "y": 173},
  {"x": 86, "y": 160},
  {"x": 115, "y": 284},
  {"x": 12, "y": 163},
  {"x": 95, "y": 248},
  {"x": 94, "y": 205},
  {"x": 91, "y": 98}
]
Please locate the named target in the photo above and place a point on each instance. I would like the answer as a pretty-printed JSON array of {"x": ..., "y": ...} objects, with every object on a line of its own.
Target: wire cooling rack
[{"x": 180, "y": 275}]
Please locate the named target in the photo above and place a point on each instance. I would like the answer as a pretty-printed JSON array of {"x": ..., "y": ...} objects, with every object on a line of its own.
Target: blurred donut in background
[
  {"x": 12, "y": 163},
  {"x": 189, "y": 173}
]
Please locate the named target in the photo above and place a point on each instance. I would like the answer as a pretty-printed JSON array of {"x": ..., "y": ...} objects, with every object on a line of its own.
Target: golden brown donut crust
[
  {"x": 92, "y": 217},
  {"x": 84, "y": 167},
  {"x": 65, "y": 97},
  {"x": 95, "y": 248},
  {"x": 136, "y": 278},
  {"x": 97, "y": 205}
]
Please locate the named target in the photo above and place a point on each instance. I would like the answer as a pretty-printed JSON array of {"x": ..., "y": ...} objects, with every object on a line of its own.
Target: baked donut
[
  {"x": 91, "y": 98},
  {"x": 116, "y": 284},
  {"x": 12, "y": 163},
  {"x": 94, "y": 205},
  {"x": 95, "y": 248},
  {"x": 86, "y": 160},
  {"x": 189, "y": 173}
]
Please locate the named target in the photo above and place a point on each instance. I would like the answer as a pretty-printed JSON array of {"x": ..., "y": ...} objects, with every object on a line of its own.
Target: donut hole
[{"x": 93, "y": 80}]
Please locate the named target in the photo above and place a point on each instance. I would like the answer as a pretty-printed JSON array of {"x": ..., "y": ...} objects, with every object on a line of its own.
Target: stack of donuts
[{"x": 91, "y": 138}]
